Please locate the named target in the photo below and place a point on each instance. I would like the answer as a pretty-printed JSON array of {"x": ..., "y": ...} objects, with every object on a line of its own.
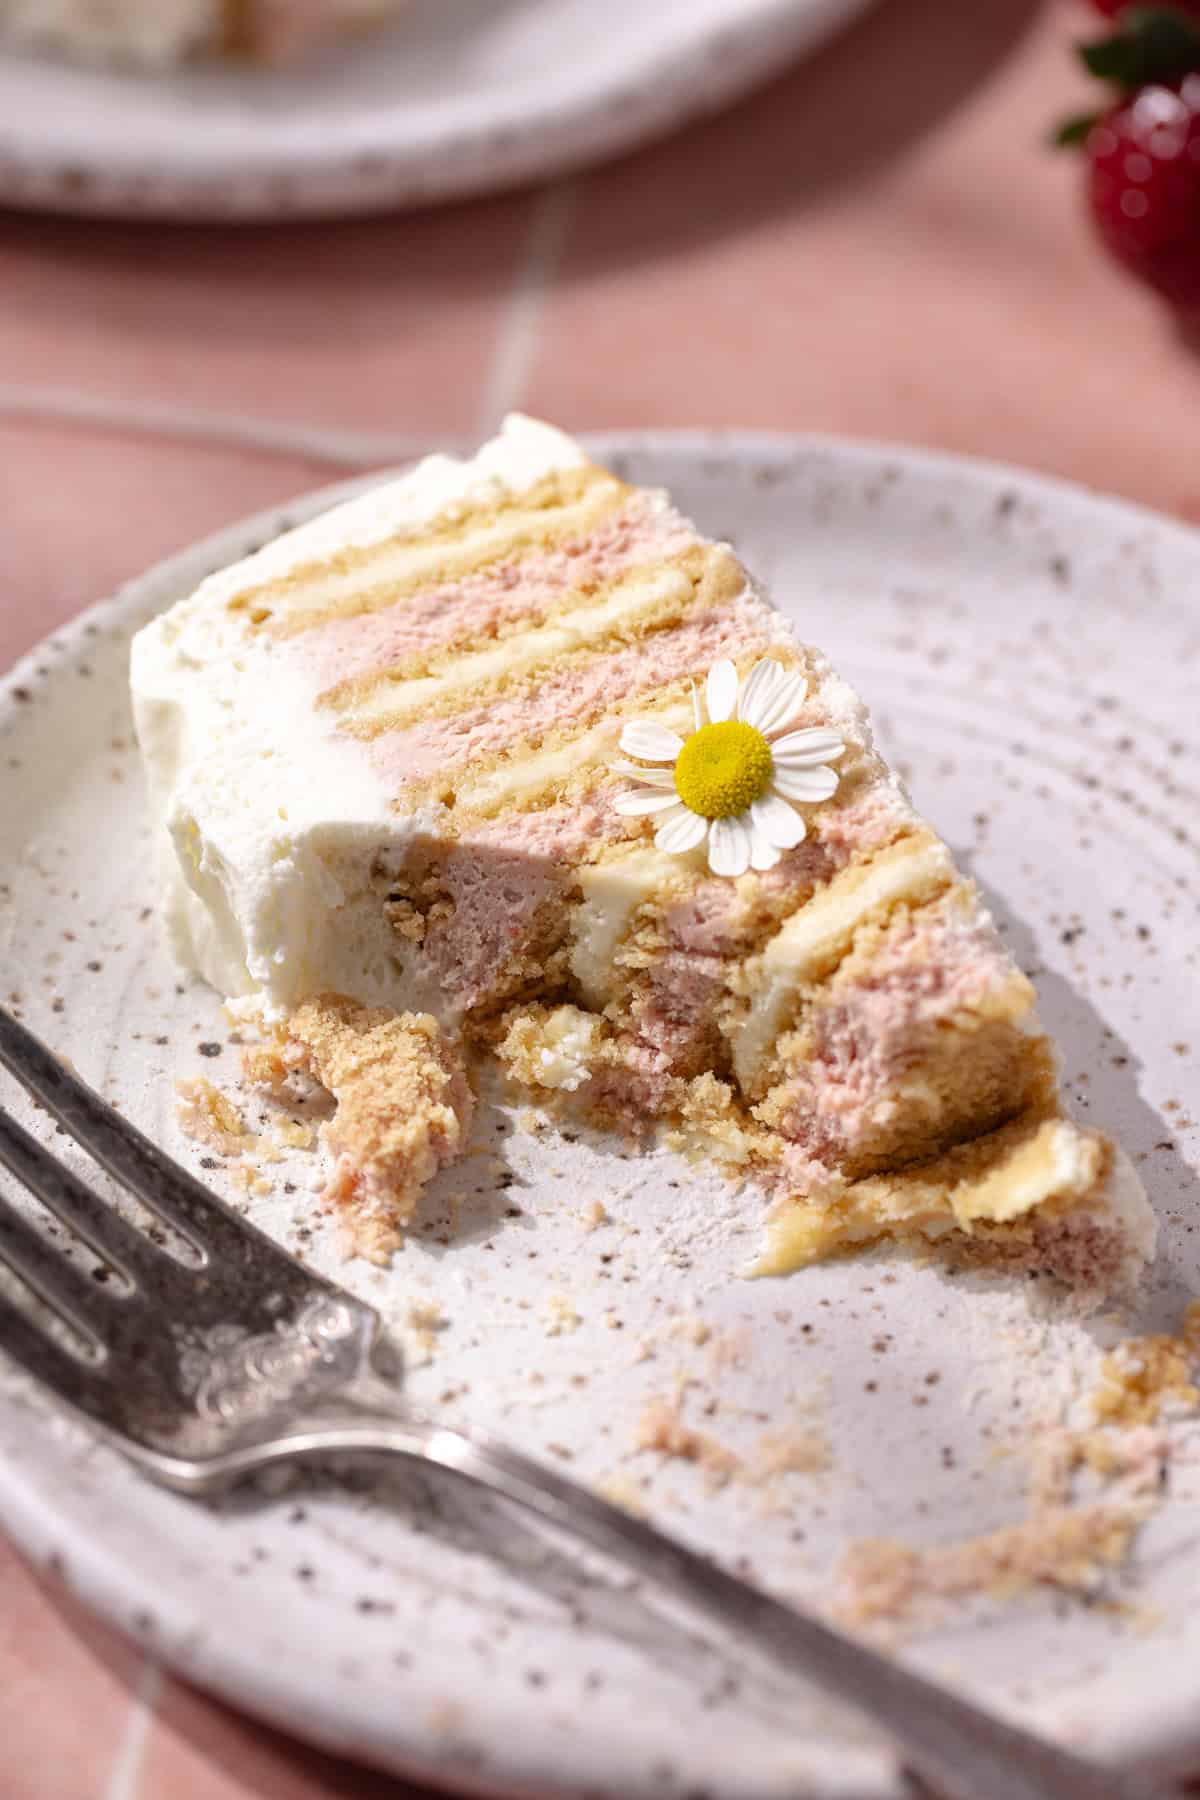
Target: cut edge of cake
[{"x": 384, "y": 746}]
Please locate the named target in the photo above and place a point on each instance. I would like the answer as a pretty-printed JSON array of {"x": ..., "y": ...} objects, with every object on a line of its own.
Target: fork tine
[
  {"x": 160, "y": 1184},
  {"x": 82, "y": 1384},
  {"x": 70, "y": 1200},
  {"x": 80, "y": 1300}
]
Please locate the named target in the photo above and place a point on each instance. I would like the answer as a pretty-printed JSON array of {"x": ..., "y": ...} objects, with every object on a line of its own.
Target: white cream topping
[
  {"x": 271, "y": 820},
  {"x": 524, "y": 453},
  {"x": 612, "y": 892},
  {"x": 156, "y": 32}
]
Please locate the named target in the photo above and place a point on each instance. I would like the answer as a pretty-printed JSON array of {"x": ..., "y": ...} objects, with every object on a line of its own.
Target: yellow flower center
[{"x": 722, "y": 768}]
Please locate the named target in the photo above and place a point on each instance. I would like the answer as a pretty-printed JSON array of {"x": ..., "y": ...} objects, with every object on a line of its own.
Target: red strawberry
[
  {"x": 1144, "y": 187},
  {"x": 1110, "y": 8},
  {"x": 1143, "y": 149}
]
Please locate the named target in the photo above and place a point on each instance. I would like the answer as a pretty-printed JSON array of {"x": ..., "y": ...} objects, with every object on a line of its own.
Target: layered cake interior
[{"x": 505, "y": 759}]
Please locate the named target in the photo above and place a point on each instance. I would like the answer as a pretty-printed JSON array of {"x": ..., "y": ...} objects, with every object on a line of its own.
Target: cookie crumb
[
  {"x": 562, "y": 1316},
  {"x": 207, "y": 1117},
  {"x": 662, "y": 1430}
]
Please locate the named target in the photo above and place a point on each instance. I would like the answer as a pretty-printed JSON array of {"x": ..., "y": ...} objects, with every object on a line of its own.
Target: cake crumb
[
  {"x": 662, "y": 1429},
  {"x": 1146, "y": 1377},
  {"x": 404, "y": 1107},
  {"x": 207, "y": 1117},
  {"x": 793, "y": 1453},
  {"x": 1138, "y": 1456},
  {"x": 245, "y": 1178},
  {"x": 405, "y": 918},
  {"x": 562, "y": 1316},
  {"x": 284, "y": 1136},
  {"x": 1061, "y": 1548},
  {"x": 427, "y": 1319},
  {"x": 293, "y": 1134},
  {"x": 550, "y": 1047},
  {"x": 621, "y": 1491},
  {"x": 595, "y": 1215}
]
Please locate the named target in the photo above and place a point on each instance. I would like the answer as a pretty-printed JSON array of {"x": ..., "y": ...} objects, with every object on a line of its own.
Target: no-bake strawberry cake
[{"x": 504, "y": 759}]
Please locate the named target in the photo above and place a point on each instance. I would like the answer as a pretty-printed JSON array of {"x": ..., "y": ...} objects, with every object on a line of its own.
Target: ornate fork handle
[{"x": 964, "y": 1751}]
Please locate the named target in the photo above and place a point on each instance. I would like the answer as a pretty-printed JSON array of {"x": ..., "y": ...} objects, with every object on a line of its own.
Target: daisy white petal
[
  {"x": 756, "y": 690},
  {"x": 635, "y": 806},
  {"x": 643, "y": 737},
  {"x": 680, "y": 831},
  {"x": 763, "y": 856},
  {"x": 729, "y": 846},
  {"x": 656, "y": 778},
  {"x": 777, "y": 822},
  {"x": 783, "y": 703},
  {"x": 808, "y": 785},
  {"x": 721, "y": 691},
  {"x": 801, "y": 749}
]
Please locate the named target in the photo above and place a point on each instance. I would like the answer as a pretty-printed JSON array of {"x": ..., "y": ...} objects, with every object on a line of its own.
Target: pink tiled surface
[
  {"x": 380, "y": 324},
  {"x": 878, "y": 245},
  {"x": 143, "y": 497},
  {"x": 64, "y": 1690}
]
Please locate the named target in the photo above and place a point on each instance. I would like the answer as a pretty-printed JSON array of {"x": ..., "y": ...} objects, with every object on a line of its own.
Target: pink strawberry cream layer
[
  {"x": 560, "y": 703},
  {"x": 673, "y": 1009},
  {"x": 479, "y": 606},
  {"x": 500, "y": 879},
  {"x": 874, "y": 1029}
]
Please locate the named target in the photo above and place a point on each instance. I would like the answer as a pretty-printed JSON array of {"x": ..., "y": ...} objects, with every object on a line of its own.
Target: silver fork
[{"x": 204, "y": 1374}]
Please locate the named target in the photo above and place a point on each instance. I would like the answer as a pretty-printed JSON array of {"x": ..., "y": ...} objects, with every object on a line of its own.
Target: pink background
[{"x": 878, "y": 245}]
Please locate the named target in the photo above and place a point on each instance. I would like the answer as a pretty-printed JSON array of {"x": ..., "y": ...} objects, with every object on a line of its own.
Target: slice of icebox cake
[{"x": 503, "y": 758}]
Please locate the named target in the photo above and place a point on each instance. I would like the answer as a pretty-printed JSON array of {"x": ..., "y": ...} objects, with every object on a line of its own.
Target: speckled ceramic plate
[
  {"x": 458, "y": 97},
  {"x": 1031, "y": 655}
]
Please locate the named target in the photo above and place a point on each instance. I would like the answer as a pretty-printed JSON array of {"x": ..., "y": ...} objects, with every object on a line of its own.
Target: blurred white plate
[
  {"x": 459, "y": 97},
  {"x": 1030, "y": 654}
]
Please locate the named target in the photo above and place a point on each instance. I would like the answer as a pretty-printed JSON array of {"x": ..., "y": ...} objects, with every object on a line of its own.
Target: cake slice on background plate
[
  {"x": 505, "y": 758},
  {"x": 158, "y": 33}
]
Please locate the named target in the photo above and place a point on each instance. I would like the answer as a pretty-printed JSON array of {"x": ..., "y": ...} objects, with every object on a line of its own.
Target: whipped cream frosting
[{"x": 269, "y": 821}]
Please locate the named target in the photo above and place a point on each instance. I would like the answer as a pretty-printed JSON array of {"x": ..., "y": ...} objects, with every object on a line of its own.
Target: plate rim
[
  {"x": 372, "y": 169},
  {"x": 1166, "y": 1738}
]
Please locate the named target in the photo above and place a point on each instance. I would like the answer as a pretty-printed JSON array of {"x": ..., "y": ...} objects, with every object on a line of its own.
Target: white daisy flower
[{"x": 735, "y": 778}]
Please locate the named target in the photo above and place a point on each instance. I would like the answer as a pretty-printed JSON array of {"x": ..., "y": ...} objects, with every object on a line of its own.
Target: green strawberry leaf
[
  {"x": 1075, "y": 130},
  {"x": 1151, "y": 44}
]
